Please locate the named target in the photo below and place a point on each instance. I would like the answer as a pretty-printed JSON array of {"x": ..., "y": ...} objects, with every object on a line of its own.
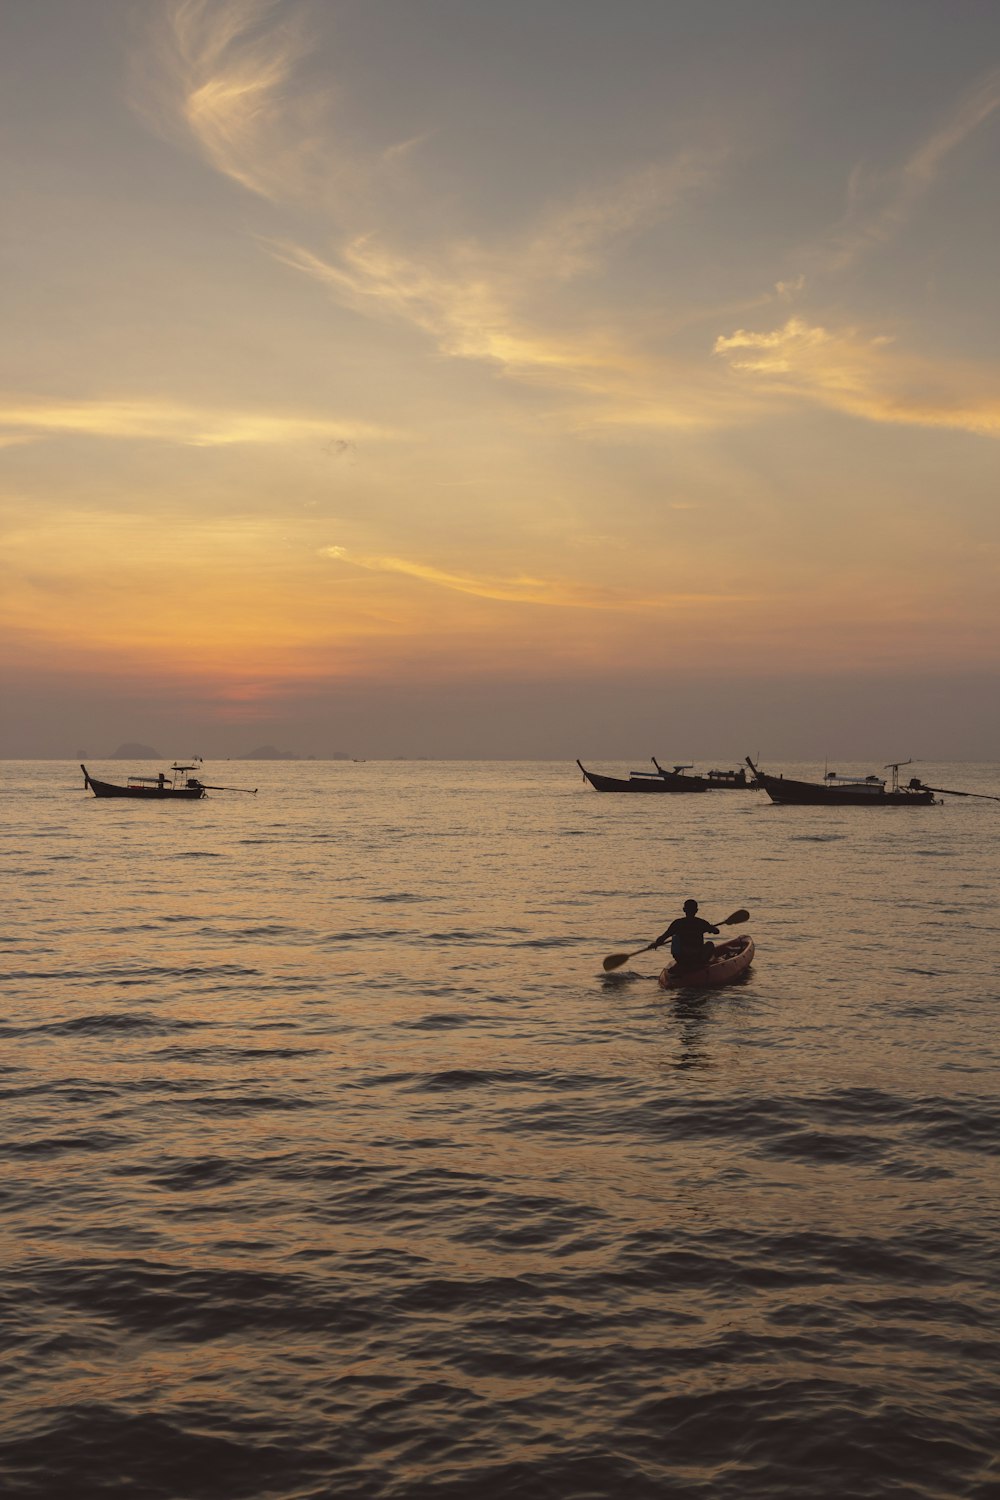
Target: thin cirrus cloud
[
  {"x": 472, "y": 304},
  {"x": 880, "y": 204},
  {"x": 171, "y": 422},
  {"x": 557, "y": 593},
  {"x": 467, "y": 297},
  {"x": 215, "y": 72},
  {"x": 223, "y": 77}
]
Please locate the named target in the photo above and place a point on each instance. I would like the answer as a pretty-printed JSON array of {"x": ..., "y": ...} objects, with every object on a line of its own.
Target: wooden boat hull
[
  {"x": 729, "y": 961},
  {"x": 787, "y": 792},
  {"x": 643, "y": 783},
  {"x": 143, "y": 793}
]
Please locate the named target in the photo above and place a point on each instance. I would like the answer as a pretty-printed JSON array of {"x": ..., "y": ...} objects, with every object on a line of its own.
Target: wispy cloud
[
  {"x": 881, "y": 203},
  {"x": 219, "y": 72},
  {"x": 465, "y": 306},
  {"x": 477, "y": 301},
  {"x": 574, "y": 238},
  {"x": 866, "y": 376},
  {"x": 227, "y": 77},
  {"x": 555, "y": 593},
  {"x": 164, "y": 421},
  {"x": 495, "y": 304}
]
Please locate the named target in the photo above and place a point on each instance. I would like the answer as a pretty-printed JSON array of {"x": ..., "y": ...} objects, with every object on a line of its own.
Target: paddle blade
[
  {"x": 615, "y": 960},
  {"x": 738, "y": 916}
]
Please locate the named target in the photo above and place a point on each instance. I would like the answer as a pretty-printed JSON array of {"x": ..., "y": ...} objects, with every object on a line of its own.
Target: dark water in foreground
[{"x": 334, "y": 1165}]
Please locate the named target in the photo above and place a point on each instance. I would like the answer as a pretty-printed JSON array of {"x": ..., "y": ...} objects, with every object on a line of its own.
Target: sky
[{"x": 546, "y": 378}]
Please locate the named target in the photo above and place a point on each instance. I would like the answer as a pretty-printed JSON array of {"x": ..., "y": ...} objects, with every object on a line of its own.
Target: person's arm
[
  {"x": 709, "y": 928},
  {"x": 664, "y": 935}
]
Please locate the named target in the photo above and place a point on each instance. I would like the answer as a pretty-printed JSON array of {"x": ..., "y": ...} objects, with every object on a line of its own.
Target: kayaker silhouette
[{"x": 687, "y": 938}]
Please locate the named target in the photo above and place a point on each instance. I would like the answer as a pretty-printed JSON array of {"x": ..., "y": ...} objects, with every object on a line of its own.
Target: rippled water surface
[{"x": 335, "y": 1165}]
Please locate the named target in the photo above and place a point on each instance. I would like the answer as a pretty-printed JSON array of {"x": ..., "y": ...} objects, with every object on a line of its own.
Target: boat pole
[
  {"x": 948, "y": 791},
  {"x": 248, "y": 791}
]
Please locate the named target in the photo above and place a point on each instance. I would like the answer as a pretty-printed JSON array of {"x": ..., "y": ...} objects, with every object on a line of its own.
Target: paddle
[{"x": 615, "y": 960}]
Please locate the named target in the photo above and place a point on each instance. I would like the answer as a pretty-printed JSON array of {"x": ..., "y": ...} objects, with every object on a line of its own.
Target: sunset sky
[{"x": 546, "y": 377}]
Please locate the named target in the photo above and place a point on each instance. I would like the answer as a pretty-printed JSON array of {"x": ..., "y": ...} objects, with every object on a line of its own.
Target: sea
[{"x": 336, "y": 1165}]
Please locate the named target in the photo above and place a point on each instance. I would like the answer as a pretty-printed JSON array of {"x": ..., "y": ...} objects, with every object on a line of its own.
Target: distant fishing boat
[
  {"x": 846, "y": 791},
  {"x": 160, "y": 787}
]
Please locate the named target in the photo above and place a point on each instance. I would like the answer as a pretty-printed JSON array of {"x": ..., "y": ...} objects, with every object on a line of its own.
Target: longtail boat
[
  {"x": 662, "y": 780},
  {"x": 845, "y": 791},
  {"x": 158, "y": 787},
  {"x": 715, "y": 781},
  {"x": 161, "y": 787},
  {"x": 643, "y": 781}
]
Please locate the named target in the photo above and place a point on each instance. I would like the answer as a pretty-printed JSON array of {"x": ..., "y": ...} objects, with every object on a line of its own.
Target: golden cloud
[
  {"x": 556, "y": 593},
  {"x": 867, "y": 377},
  {"x": 170, "y": 422}
]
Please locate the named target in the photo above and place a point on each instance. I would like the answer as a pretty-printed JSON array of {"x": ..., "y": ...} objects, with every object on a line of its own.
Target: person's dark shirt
[{"x": 686, "y": 934}]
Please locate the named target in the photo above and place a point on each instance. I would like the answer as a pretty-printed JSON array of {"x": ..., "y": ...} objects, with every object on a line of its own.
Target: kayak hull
[{"x": 728, "y": 962}]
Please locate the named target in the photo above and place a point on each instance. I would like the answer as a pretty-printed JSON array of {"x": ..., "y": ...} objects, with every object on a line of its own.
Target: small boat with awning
[
  {"x": 176, "y": 785},
  {"x": 662, "y": 780},
  {"x": 845, "y": 791}
]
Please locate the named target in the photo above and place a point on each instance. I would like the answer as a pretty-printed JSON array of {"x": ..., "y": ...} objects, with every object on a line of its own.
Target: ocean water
[{"x": 334, "y": 1165}]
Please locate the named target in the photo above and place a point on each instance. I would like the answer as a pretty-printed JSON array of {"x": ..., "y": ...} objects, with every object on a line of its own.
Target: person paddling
[
  {"x": 700, "y": 948},
  {"x": 687, "y": 938}
]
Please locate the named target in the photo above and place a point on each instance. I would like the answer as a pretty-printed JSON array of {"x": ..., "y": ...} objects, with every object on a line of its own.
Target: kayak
[{"x": 728, "y": 962}]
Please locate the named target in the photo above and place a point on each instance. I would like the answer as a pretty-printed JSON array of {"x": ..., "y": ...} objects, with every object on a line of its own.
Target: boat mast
[{"x": 893, "y": 766}]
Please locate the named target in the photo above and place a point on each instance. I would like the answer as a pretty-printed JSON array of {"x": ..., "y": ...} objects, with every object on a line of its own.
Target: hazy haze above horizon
[{"x": 523, "y": 380}]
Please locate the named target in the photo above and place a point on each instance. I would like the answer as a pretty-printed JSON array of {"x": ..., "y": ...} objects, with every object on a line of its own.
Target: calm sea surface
[{"x": 335, "y": 1165}]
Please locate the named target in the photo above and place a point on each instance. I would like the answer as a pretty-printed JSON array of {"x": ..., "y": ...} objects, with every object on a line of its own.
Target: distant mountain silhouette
[{"x": 132, "y": 751}]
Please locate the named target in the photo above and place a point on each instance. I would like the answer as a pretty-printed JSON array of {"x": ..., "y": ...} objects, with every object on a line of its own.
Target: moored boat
[
  {"x": 845, "y": 791},
  {"x": 159, "y": 787},
  {"x": 643, "y": 781},
  {"x": 729, "y": 960},
  {"x": 714, "y": 781}
]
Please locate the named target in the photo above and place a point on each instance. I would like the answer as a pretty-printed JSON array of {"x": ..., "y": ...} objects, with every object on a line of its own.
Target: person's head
[{"x": 690, "y": 907}]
